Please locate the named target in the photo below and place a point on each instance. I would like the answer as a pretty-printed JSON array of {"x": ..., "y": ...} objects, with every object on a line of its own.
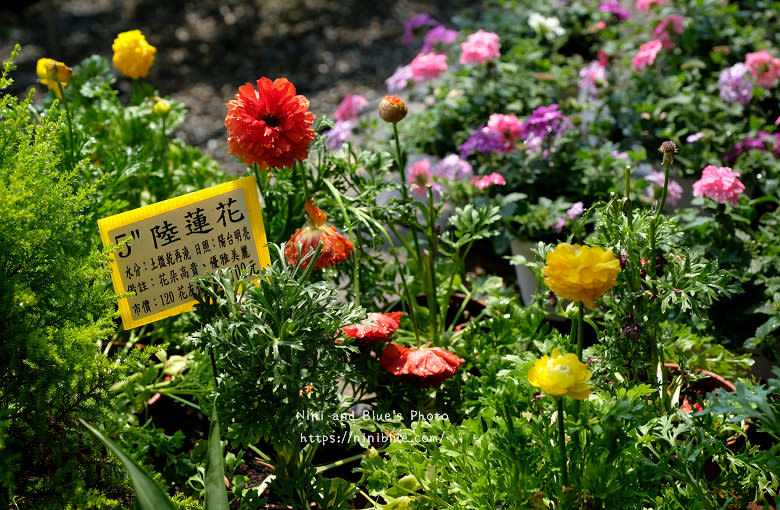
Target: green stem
[
  {"x": 322, "y": 469},
  {"x": 399, "y": 161},
  {"x": 580, "y": 329},
  {"x": 355, "y": 240},
  {"x": 260, "y": 453},
  {"x": 71, "y": 142},
  {"x": 433, "y": 304},
  {"x": 562, "y": 443}
]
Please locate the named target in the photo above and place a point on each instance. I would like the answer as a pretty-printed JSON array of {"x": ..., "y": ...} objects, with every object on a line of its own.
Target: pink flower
[
  {"x": 764, "y": 67},
  {"x": 694, "y": 137},
  {"x": 428, "y": 66},
  {"x": 719, "y": 183},
  {"x": 644, "y": 5},
  {"x": 479, "y": 47},
  {"x": 670, "y": 25},
  {"x": 485, "y": 181},
  {"x": 509, "y": 127},
  {"x": 350, "y": 107},
  {"x": 420, "y": 177},
  {"x": 777, "y": 122},
  {"x": 558, "y": 225},
  {"x": 646, "y": 55}
]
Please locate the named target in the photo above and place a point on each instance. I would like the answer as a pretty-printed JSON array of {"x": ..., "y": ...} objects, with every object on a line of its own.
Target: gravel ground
[{"x": 207, "y": 49}]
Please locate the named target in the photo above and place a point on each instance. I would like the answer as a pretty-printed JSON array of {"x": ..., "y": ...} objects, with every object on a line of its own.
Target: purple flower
[
  {"x": 694, "y": 137},
  {"x": 575, "y": 210},
  {"x": 339, "y": 134},
  {"x": 482, "y": 140},
  {"x": 614, "y": 7},
  {"x": 439, "y": 34},
  {"x": 400, "y": 79},
  {"x": 453, "y": 168},
  {"x": 416, "y": 21},
  {"x": 544, "y": 124},
  {"x": 673, "y": 190},
  {"x": 763, "y": 142},
  {"x": 591, "y": 76},
  {"x": 736, "y": 84}
]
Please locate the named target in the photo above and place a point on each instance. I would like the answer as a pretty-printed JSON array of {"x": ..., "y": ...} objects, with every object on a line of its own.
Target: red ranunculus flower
[
  {"x": 270, "y": 126},
  {"x": 429, "y": 366},
  {"x": 336, "y": 248},
  {"x": 377, "y": 328}
]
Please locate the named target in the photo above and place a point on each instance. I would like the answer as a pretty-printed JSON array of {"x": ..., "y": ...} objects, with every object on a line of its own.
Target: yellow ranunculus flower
[
  {"x": 581, "y": 273},
  {"x": 51, "y": 71},
  {"x": 161, "y": 106},
  {"x": 561, "y": 375},
  {"x": 133, "y": 56}
]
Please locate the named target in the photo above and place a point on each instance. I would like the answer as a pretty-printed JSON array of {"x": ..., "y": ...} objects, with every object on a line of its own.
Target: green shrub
[{"x": 54, "y": 307}]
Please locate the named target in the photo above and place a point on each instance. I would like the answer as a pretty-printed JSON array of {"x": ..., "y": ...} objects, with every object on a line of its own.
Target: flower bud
[
  {"x": 161, "y": 106},
  {"x": 392, "y": 109}
]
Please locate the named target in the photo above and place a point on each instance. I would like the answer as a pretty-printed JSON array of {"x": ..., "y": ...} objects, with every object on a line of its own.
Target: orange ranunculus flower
[
  {"x": 377, "y": 328},
  {"x": 336, "y": 248},
  {"x": 561, "y": 375},
  {"x": 133, "y": 56},
  {"x": 428, "y": 367},
  {"x": 581, "y": 273},
  {"x": 270, "y": 126},
  {"x": 51, "y": 71}
]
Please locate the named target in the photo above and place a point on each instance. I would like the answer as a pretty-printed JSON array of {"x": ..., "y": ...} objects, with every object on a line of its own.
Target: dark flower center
[{"x": 270, "y": 120}]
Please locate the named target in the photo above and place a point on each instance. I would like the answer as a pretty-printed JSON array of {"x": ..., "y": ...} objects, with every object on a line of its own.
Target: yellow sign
[{"x": 171, "y": 242}]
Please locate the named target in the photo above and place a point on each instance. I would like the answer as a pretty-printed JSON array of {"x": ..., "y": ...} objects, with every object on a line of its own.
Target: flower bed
[{"x": 363, "y": 365}]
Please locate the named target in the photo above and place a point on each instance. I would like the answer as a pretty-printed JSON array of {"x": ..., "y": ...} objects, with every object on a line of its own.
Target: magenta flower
[
  {"x": 769, "y": 142},
  {"x": 764, "y": 67},
  {"x": 646, "y": 55},
  {"x": 415, "y": 22},
  {"x": 400, "y": 79},
  {"x": 438, "y": 35},
  {"x": 592, "y": 76},
  {"x": 719, "y": 183},
  {"x": 485, "y": 181},
  {"x": 736, "y": 84},
  {"x": 543, "y": 125},
  {"x": 479, "y": 47},
  {"x": 350, "y": 107},
  {"x": 673, "y": 190},
  {"x": 645, "y": 5},
  {"x": 670, "y": 25},
  {"x": 482, "y": 140},
  {"x": 613, "y": 6},
  {"x": 428, "y": 66},
  {"x": 509, "y": 127}
]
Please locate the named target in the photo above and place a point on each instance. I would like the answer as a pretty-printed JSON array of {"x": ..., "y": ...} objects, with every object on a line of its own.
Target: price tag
[{"x": 170, "y": 242}]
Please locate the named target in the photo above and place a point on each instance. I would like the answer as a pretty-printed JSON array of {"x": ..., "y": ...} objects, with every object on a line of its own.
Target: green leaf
[
  {"x": 149, "y": 495},
  {"x": 216, "y": 493}
]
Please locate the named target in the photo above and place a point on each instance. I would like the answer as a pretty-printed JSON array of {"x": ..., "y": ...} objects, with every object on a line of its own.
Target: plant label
[{"x": 164, "y": 245}]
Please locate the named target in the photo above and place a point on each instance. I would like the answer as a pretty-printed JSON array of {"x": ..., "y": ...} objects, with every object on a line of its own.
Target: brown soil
[{"x": 206, "y": 49}]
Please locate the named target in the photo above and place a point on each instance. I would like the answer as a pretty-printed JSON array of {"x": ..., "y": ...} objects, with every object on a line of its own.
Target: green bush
[{"x": 54, "y": 308}]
